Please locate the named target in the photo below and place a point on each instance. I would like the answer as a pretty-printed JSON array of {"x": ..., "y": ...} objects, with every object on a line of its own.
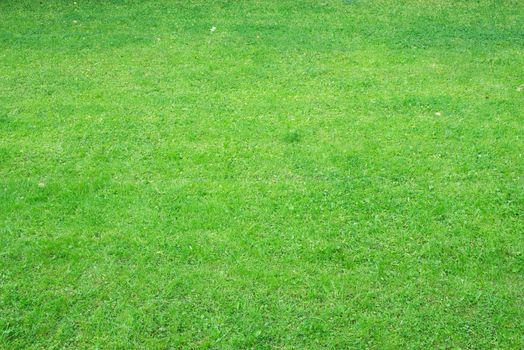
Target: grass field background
[{"x": 310, "y": 175}]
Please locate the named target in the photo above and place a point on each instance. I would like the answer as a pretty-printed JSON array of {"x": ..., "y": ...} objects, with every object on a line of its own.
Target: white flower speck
[{"x": 213, "y": 28}]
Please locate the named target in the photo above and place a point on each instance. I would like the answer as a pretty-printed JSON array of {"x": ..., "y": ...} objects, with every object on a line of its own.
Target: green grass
[{"x": 319, "y": 174}]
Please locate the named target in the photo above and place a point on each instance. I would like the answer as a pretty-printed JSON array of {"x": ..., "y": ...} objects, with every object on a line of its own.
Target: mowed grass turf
[{"x": 308, "y": 175}]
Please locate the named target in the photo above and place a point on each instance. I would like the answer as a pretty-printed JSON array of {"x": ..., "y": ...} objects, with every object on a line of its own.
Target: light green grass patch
[{"x": 310, "y": 175}]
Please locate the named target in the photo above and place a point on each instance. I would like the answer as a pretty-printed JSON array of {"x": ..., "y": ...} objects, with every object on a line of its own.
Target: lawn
[{"x": 262, "y": 174}]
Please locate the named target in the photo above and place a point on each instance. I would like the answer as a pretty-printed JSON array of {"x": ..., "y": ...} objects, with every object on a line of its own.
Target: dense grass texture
[{"x": 271, "y": 174}]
